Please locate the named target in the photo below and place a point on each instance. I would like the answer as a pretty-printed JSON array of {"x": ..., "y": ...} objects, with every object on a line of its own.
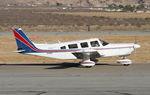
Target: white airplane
[{"x": 87, "y": 50}]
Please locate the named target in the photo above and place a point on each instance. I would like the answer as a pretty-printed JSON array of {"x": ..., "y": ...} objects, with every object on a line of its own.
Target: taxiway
[{"x": 70, "y": 79}]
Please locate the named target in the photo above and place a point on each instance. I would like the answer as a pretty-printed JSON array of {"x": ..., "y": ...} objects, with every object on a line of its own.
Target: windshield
[{"x": 104, "y": 43}]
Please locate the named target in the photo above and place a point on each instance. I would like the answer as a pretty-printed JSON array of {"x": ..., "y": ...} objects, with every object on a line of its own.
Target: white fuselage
[
  {"x": 87, "y": 50},
  {"x": 102, "y": 49}
]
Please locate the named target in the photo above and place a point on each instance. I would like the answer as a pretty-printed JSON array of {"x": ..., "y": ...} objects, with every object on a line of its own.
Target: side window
[
  {"x": 72, "y": 46},
  {"x": 104, "y": 43},
  {"x": 63, "y": 47},
  {"x": 84, "y": 44},
  {"x": 94, "y": 44}
]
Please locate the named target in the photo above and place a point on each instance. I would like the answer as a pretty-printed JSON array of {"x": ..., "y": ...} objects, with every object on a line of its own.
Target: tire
[{"x": 126, "y": 64}]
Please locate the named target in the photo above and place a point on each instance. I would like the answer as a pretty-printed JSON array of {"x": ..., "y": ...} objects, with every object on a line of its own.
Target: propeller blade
[{"x": 135, "y": 52}]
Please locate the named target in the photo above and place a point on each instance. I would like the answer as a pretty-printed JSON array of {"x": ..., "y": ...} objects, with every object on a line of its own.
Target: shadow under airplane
[{"x": 64, "y": 65}]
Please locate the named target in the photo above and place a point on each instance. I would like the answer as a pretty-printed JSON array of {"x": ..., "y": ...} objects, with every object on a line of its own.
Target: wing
[{"x": 92, "y": 54}]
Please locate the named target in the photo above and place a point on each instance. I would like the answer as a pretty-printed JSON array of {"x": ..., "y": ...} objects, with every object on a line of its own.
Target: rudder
[{"x": 23, "y": 42}]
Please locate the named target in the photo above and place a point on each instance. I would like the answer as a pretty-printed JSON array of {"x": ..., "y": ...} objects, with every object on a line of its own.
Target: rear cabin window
[
  {"x": 63, "y": 47},
  {"x": 72, "y": 46},
  {"x": 94, "y": 44},
  {"x": 84, "y": 45}
]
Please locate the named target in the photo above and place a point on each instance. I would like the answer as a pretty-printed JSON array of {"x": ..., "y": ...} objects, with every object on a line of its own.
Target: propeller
[
  {"x": 135, "y": 41},
  {"x": 135, "y": 46},
  {"x": 134, "y": 52}
]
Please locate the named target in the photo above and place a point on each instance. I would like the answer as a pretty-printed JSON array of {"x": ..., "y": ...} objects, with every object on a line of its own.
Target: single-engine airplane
[{"x": 87, "y": 50}]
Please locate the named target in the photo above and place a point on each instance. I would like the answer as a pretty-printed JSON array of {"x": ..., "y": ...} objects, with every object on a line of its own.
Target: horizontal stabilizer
[{"x": 18, "y": 51}]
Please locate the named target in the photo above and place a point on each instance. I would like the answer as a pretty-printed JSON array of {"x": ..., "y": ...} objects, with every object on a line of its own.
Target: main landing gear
[
  {"x": 87, "y": 61},
  {"x": 124, "y": 61}
]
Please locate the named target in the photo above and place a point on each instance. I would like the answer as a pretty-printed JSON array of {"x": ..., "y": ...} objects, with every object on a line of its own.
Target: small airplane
[{"x": 88, "y": 50}]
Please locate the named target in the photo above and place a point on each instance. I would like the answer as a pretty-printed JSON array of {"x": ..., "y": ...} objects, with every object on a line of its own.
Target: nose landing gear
[{"x": 124, "y": 61}]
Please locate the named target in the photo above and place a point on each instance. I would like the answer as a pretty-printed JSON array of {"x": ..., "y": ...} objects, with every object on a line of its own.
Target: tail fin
[{"x": 23, "y": 42}]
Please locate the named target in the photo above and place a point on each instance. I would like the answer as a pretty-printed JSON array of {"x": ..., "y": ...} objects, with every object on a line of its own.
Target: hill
[{"x": 73, "y": 3}]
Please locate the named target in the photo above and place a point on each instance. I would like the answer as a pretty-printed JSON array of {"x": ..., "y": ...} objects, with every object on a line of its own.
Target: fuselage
[
  {"x": 87, "y": 50},
  {"x": 99, "y": 47}
]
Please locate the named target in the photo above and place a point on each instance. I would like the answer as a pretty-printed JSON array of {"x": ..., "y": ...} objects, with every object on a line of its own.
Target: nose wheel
[{"x": 124, "y": 61}]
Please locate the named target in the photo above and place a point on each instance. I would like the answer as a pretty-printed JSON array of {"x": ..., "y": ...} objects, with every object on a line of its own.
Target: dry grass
[
  {"x": 108, "y": 14},
  {"x": 7, "y": 45},
  {"x": 76, "y": 28},
  {"x": 47, "y": 20}
]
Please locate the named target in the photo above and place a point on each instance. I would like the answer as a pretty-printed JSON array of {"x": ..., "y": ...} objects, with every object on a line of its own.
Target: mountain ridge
[{"x": 73, "y": 3}]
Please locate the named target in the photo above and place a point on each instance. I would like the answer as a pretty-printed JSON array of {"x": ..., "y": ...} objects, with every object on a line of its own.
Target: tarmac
[{"x": 71, "y": 79}]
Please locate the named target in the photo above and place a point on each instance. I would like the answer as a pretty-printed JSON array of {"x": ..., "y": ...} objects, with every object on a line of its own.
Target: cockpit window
[
  {"x": 104, "y": 43},
  {"x": 94, "y": 44}
]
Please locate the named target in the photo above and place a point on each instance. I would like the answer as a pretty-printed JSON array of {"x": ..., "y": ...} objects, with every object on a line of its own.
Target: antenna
[
  {"x": 59, "y": 41},
  {"x": 135, "y": 40}
]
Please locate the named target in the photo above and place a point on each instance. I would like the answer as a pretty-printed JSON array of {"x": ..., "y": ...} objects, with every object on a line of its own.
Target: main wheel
[
  {"x": 126, "y": 64},
  {"x": 87, "y": 64}
]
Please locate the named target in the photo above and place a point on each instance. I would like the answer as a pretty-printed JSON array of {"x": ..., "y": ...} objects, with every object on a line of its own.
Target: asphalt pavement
[{"x": 71, "y": 79}]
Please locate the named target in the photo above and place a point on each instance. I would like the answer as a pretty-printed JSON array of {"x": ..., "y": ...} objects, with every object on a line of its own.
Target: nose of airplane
[{"x": 136, "y": 46}]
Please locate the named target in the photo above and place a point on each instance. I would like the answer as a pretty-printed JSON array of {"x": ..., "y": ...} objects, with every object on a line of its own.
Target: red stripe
[
  {"x": 113, "y": 48},
  {"x": 87, "y": 62}
]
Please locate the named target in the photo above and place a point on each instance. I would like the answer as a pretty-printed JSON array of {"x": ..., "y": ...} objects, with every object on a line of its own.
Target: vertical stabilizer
[{"x": 23, "y": 42}]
